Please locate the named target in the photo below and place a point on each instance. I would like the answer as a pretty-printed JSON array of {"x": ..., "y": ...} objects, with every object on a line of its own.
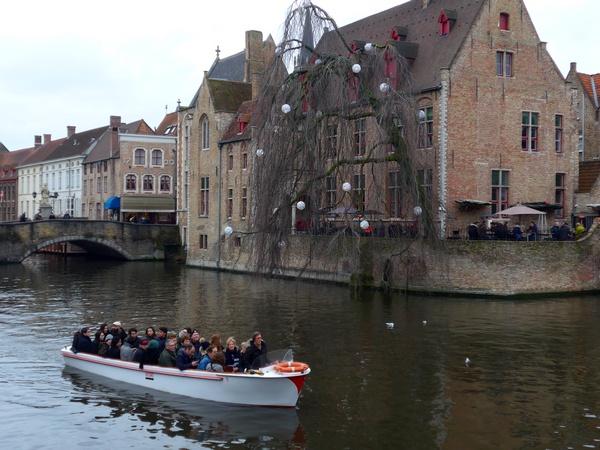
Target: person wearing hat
[{"x": 116, "y": 329}]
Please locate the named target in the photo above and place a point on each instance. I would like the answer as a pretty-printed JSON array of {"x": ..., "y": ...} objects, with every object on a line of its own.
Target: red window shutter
[
  {"x": 504, "y": 22},
  {"x": 391, "y": 69}
]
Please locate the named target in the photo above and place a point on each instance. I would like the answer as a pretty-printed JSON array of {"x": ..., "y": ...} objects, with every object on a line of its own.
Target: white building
[{"x": 58, "y": 165}]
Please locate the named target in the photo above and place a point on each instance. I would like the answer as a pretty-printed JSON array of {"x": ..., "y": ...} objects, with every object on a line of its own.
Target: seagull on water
[
  {"x": 467, "y": 361},
  {"x": 390, "y": 325}
]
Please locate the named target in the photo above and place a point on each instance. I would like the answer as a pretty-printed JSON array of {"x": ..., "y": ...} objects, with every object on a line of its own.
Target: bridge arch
[{"x": 91, "y": 244}]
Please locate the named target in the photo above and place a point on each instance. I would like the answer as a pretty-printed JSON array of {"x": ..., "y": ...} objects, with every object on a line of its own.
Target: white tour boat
[{"x": 274, "y": 385}]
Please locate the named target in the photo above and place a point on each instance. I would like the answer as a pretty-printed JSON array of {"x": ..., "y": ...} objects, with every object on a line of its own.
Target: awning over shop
[
  {"x": 112, "y": 203},
  {"x": 471, "y": 204},
  {"x": 147, "y": 204},
  {"x": 543, "y": 206}
]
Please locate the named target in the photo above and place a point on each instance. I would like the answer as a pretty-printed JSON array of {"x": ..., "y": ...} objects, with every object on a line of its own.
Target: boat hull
[{"x": 269, "y": 389}]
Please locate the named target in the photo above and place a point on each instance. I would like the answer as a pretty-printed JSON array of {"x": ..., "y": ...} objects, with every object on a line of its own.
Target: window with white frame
[
  {"x": 148, "y": 183},
  {"x": 139, "y": 158},
  {"x": 157, "y": 157},
  {"x": 165, "y": 183}
]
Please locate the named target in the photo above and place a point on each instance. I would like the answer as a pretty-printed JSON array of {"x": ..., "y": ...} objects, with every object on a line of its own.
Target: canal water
[{"x": 532, "y": 382}]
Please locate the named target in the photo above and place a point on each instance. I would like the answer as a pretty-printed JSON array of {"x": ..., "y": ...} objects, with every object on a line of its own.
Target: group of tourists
[
  {"x": 185, "y": 349},
  {"x": 500, "y": 231}
]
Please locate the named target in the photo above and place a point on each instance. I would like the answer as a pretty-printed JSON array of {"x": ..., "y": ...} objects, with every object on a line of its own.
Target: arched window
[
  {"x": 165, "y": 183},
  {"x": 205, "y": 133},
  {"x": 148, "y": 185},
  {"x": 157, "y": 157},
  {"x": 504, "y": 22},
  {"x": 131, "y": 182},
  {"x": 139, "y": 157}
]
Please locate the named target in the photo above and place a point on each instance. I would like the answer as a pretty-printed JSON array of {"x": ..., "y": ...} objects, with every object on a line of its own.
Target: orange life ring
[{"x": 291, "y": 367}]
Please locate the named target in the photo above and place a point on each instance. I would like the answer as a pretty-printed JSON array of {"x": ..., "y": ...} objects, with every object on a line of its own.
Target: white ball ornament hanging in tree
[
  {"x": 286, "y": 108},
  {"x": 364, "y": 224},
  {"x": 260, "y": 152},
  {"x": 228, "y": 231},
  {"x": 301, "y": 205},
  {"x": 418, "y": 211},
  {"x": 346, "y": 187},
  {"x": 318, "y": 61},
  {"x": 356, "y": 68},
  {"x": 384, "y": 87},
  {"x": 368, "y": 47}
]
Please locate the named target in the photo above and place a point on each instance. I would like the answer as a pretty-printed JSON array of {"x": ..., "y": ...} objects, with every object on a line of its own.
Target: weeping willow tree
[{"x": 333, "y": 121}]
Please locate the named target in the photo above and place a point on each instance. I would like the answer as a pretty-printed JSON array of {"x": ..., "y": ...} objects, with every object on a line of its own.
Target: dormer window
[
  {"x": 446, "y": 21},
  {"x": 504, "y": 22},
  {"x": 242, "y": 126}
]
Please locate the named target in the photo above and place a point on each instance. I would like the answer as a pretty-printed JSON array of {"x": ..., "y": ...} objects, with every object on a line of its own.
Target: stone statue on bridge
[{"x": 45, "y": 194}]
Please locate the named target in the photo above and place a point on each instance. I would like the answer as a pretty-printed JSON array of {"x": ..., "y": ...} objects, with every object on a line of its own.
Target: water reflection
[
  {"x": 210, "y": 423},
  {"x": 532, "y": 383}
]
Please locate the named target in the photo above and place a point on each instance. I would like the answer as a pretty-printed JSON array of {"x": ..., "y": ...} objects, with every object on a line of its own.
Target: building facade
[
  {"x": 496, "y": 116},
  {"x": 129, "y": 175},
  {"x": 588, "y": 112},
  {"x": 9, "y": 186},
  {"x": 226, "y": 86}
]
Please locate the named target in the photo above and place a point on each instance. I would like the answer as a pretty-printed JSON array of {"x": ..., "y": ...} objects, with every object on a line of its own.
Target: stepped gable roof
[
  {"x": 422, "y": 28},
  {"x": 244, "y": 114},
  {"x": 227, "y": 96},
  {"x": 588, "y": 174},
  {"x": 168, "y": 125},
  {"x": 591, "y": 85}
]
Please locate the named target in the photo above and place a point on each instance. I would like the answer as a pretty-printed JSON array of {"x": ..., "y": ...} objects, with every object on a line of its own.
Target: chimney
[
  {"x": 47, "y": 138},
  {"x": 115, "y": 123},
  {"x": 37, "y": 141},
  {"x": 254, "y": 66},
  {"x": 425, "y": 3},
  {"x": 574, "y": 67},
  {"x": 70, "y": 130}
]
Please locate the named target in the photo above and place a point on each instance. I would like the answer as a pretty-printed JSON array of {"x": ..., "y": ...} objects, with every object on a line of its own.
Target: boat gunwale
[{"x": 173, "y": 371}]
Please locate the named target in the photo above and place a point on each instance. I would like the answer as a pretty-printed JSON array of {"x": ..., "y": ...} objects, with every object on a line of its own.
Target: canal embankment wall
[{"x": 455, "y": 267}]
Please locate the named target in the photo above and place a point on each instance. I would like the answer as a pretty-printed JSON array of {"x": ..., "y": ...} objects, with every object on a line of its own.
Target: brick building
[
  {"x": 497, "y": 118},
  {"x": 202, "y": 164},
  {"x": 588, "y": 112},
  {"x": 130, "y": 173},
  {"x": 9, "y": 161}
]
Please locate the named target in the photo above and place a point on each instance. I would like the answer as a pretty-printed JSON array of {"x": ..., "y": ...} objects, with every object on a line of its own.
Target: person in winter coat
[
  {"x": 114, "y": 350},
  {"x": 217, "y": 362},
  {"x": 232, "y": 355},
  {"x": 127, "y": 351},
  {"x": 256, "y": 355},
  {"x": 206, "y": 359},
  {"x": 168, "y": 357},
  {"x": 104, "y": 345},
  {"x": 142, "y": 355},
  {"x": 83, "y": 343},
  {"x": 116, "y": 329},
  {"x": 161, "y": 337},
  {"x": 185, "y": 358}
]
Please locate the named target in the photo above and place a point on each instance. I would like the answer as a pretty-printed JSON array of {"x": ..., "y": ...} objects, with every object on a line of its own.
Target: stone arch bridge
[{"x": 127, "y": 241}]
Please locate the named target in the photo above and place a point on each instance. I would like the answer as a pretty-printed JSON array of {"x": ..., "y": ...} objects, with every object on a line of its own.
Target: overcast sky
[{"x": 67, "y": 62}]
